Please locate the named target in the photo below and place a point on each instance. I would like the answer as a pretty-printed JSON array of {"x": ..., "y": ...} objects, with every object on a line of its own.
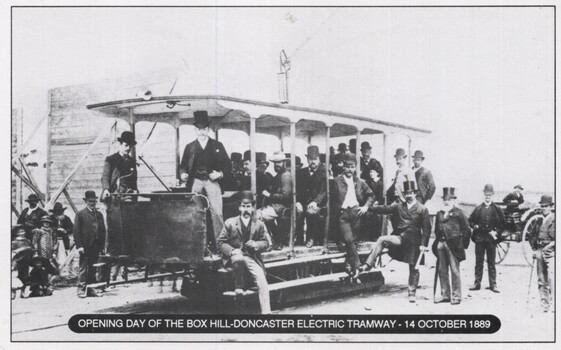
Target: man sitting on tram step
[
  {"x": 514, "y": 199},
  {"x": 352, "y": 199},
  {"x": 367, "y": 163},
  {"x": 261, "y": 179},
  {"x": 233, "y": 181},
  {"x": 544, "y": 252},
  {"x": 278, "y": 201},
  {"x": 488, "y": 222},
  {"x": 119, "y": 176},
  {"x": 311, "y": 193},
  {"x": 31, "y": 216},
  {"x": 410, "y": 236},
  {"x": 240, "y": 243},
  {"x": 452, "y": 234},
  {"x": 424, "y": 178},
  {"x": 89, "y": 234},
  {"x": 203, "y": 165}
]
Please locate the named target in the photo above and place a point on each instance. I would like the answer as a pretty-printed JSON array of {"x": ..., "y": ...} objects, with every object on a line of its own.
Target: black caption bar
[{"x": 284, "y": 324}]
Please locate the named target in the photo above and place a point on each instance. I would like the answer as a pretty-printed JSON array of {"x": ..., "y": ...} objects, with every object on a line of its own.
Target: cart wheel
[
  {"x": 502, "y": 251},
  {"x": 530, "y": 229}
]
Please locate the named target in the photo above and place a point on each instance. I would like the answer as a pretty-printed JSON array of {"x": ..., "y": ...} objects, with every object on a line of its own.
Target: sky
[{"x": 480, "y": 78}]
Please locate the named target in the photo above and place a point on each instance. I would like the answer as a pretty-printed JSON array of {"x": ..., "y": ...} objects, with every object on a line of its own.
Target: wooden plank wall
[
  {"x": 16, "y": 142},
  {"x": 72, "y": 128}
]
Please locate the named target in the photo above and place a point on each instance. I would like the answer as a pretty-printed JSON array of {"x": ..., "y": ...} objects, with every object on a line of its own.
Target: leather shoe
[
  {"x": 475, "y": 287},
  {"x": 365, "y": 268},
  {"x": 455, "y": 302},
  {"x": 442, "y": 300},
  {"x": 93, "y": 293},
  {"x": 412, "y": 299},
  {"x": 495, "y": 290}
]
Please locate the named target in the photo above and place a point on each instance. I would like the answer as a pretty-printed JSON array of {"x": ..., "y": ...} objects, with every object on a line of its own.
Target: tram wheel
[
  {"x": 502, "y": 250},
  {"x": 530, "y": 229}
]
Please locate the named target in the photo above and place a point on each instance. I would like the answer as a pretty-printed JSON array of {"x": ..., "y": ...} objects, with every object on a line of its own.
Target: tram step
[
  {"x": 303, "y": 260},
  {"x": 334, "y": 277}
]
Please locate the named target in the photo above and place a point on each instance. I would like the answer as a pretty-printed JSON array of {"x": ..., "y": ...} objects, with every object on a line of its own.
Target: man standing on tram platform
[
  {"x": 203, "y": 165},
  {"x": 424, "y": 178},
  {"x": 410, "y": 236},
  {"x": 241, "y": 242},
  {"x": 352, "y": 199}
]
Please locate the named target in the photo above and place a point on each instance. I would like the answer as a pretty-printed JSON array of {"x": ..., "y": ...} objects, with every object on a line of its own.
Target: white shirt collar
[
  {"x": 203, "y": 143},
  {"x": 245, "y": 220},
  {"x": 32, "y": 210},
  {"x": 409, "y": 206}
]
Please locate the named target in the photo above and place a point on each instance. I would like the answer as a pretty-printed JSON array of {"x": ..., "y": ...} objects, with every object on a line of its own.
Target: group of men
[{"x": 357, "y": 201}]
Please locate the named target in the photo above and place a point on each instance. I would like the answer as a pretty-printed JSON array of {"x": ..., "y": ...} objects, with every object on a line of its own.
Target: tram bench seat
[{"x": 334, "y": 277}]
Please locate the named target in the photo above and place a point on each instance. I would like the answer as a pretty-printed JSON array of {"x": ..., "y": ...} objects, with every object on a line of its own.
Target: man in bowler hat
[
  {"x": 410, "y": 236},
  {"x": 119, "y": 170},
  {"x": 487, "y": 221},
  {"x": 452, "y": 234},
  {"x": 543, "y": 245},
  {"x": 62, "y": 224},
  {"x": 367, "y": 163},
  {"x": 241, "y": 242},
  {"x": 203, "y": 166},
  {"x": 424, "y": 178},
  {"x": 403, "y": 175},
  {"x": 31, "y": 216},
  {"x": 89, "y": 235}
]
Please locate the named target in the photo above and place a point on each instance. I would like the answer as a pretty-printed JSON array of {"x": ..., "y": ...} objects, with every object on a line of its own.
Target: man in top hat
[
  {"x": 31, "y": 216},
  {"x": 241, "y": 242},
  {"x": 487, "y": 221},
  {"x": 402, "y": 175},
  {"x": 234, "y": 180},
  {"x": 203, "y": 165},
  {"x": 119, "y": 170},
  {"x": 278, "y": 200},
  {"x": 311, "y": 193},
  {"x": 543, "y": 245},
  {"x": 352, "y": 199},
  {"x": 410, "y": 236},
  {"x": 452, "y": 233},
  {"x": 89, "y": 235},
  {"x": 62, "y": 224},
  {"x": 424, "y": 178},
  {"x": 367, "y": 163}
]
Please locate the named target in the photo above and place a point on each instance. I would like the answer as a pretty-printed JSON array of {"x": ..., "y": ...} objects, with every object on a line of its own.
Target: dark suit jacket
[
  {"x": 513, "y": 197},
  {"x": 220, "y": 161},
  {"x": 32, "y": 220},
  {"x": 413, "y": 227},
  {"x": 232, "y": 238},
  {"x": 281, "y": 189},
  {"x": 112, "y": 171},
  {"x": 89, "y": 229},
  {"x": 425, "y": 183},
  {"x": 498, "y": 222},
  {"x": 455, "y": 230},
  {"x": 371, "y": 164},
  {"x": 364, "y": 194},
  {"x": 311, "y": 188}
]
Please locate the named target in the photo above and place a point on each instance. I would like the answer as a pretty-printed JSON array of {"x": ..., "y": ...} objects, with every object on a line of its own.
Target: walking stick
[
  {"x": 435, "y": 280},
  {"x": 418, "y": 264},
  {"x": 530, "y": 283}
]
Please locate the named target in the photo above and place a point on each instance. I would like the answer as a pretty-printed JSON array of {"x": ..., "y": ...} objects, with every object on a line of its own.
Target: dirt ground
[{"x": 45, "y": 319}]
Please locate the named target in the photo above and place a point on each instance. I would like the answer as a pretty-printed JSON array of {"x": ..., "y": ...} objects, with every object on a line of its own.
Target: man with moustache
[
  {"x": 410, "y": 236},
  {"x": 241, "y": 242},
  {"x": 119, "y": 170},
  {"x": 367, "y": 164},
  {"x": 352, "y": 198},
  {"x": 424, "y": 178},
  {"x": 487, "y": 221},
  {"x": 311, "y": 193}
]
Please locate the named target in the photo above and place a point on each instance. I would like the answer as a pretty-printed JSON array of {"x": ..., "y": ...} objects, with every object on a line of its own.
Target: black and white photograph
[{"x": 281, "y": 173}]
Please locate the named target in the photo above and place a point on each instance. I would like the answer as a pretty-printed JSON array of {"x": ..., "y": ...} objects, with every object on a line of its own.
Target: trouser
[
  {"x": 257, "y": 274},
  {"x": 87, "y": 273},
  {"x": 394, "y": 241},
  {"x": 213, "y": 192},
  {"x": 481, "y": 249},
  {"x": 278, "y": 226},
  {"x": 349, "y": 225},
  {"x": 448, "y": 261},
  {"x": 545, "y": 260},
  {"x": 314, "y": 227}
]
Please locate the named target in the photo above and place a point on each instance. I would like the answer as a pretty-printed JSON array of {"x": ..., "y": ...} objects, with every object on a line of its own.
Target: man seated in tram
[
  {"x": 352, "y": 198},
  {"x": 262, "y": 165},
  {"x": 372, "y": 223},
  {"x": 367, "y": 163},
  {"x": 278, "y": 200},
  {"x": 338, "y": 160},
  {"x": 311, "y": 193},
  {"x": 241, "y": 242},
  {"x": 261, "y": 179},
  {"x": 233, "y": 181}
]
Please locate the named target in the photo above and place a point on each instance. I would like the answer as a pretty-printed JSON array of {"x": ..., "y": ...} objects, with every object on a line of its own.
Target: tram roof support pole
[
  {"x": 252, "y": 145},
  {"x": 177, "y": 152},
  {"x": 358, "y": 165},
  {"x": 328, "y": 207},
  {"x": 409, "y": 150},
  {"x": 293, "y": 175}
]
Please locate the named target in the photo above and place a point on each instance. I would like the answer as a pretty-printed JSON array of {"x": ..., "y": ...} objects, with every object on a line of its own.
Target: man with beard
[
  {"x": 278, "y": 200},
  {"x": 311, "y": 193},
  {"x": 424, "y": 178},
  {"x": 31, "y": 216},
  {"x": 241, "y": 242},
  {"x": 410, "y": 236},
  {"x": 488, "y": 222},
  {"x": 452, "y": 235},
  {"x": 352, "y": 199}
]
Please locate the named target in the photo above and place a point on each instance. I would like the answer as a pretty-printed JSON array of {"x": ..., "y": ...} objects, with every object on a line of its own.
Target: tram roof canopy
[{"x": 234, "y": 113}]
